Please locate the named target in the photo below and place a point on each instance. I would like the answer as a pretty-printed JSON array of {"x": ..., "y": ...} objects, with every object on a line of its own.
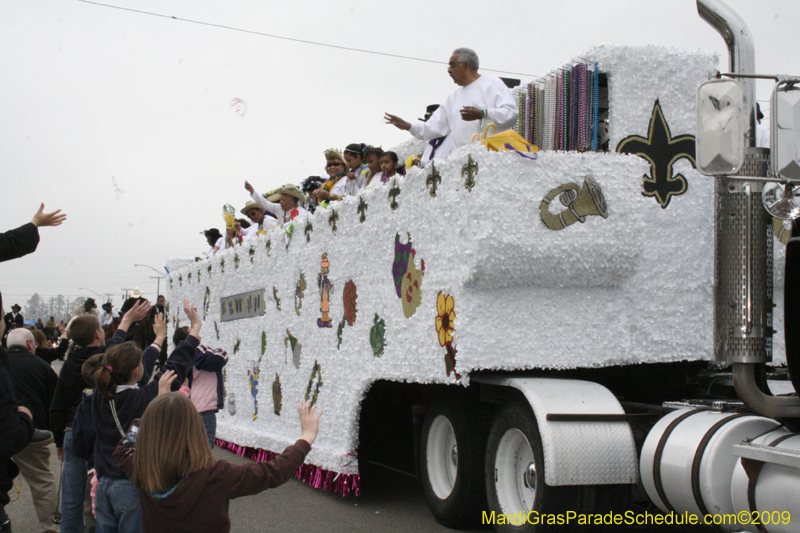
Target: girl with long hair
[{"x": 182, "y": 486}]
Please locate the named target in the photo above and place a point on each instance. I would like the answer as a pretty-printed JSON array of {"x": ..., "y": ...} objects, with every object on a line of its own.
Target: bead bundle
[{"x": 559, "y": 111}]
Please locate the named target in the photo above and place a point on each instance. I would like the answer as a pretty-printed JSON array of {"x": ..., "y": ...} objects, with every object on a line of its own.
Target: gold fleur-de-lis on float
[
  {"x": 468, "y": 171},
  {"x": 434, "y": 179}
]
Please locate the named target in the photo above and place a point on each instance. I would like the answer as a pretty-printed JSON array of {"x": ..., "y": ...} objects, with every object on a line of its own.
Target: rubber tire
[
  {"x": 547, "y": 499},
  {"x": 468, "y": 497}
]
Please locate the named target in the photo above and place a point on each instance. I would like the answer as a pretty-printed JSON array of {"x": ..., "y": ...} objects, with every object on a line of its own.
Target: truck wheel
[
  {"x": 515, "y": 483},
  {"x": 451, "y": 465}
]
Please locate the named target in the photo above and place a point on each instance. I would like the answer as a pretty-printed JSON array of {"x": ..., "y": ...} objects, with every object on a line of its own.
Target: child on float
[
  {"x": 182, "y": 486},
  {"x": 389, "y": 168},
  {"x": 205, "y": 381},
  {"x": 118, "y": 399},
  {"x": 372, "y": 157}
]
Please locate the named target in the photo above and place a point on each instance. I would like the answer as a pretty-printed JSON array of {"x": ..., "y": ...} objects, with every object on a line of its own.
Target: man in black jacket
[
  {"x": 16, "y": 428},
  {"x": 16, "y": 425},
  {"x": 14, "y": 319},
  {"x": 34, "y": 384}
]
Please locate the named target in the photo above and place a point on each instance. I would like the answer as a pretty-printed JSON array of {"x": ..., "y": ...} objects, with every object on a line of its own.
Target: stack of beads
[{"x": 559, "y": 111}]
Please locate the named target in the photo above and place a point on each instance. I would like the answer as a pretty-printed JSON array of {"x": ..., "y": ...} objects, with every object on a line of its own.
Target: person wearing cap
[
  {"x": 286, "y": 203},
  {"x": 14, "y": 319},
  {"x": 261, "y": 223},
  {"x": 479, "y": 100},
  {"x": 89, "y": 307},
  {"x": 212, "y": 236}
]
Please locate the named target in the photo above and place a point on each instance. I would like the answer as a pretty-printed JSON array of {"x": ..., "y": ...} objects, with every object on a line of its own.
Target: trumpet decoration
[{"x": 579, "y": 204}]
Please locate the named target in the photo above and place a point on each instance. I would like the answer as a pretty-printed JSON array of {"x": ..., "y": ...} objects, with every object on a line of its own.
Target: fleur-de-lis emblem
[
  {"x": 468, "y": 172},
  {"x": 307, "y": 230},
  {"x": 252, "y": 253},
  {"x": 209, "y": 270},
  {"x": 236, "y": 261},
  {"x": 362, "y": 209},
  {"x": 189, "y": 278},
  {"x": 269, "y": 246},
  {"x": 222, "y": 265},
  {"x": 662, "y": 151},
  {"x": 394, "y": 192},
  {"x": 332, "y": 220},
  {"x": 434, "y": 179},
  {"x": 180, "y": 280},
  {"x": 198, "y": 276}
]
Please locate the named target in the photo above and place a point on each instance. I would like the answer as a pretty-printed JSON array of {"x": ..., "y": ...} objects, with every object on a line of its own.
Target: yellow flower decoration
[{"x": 445, "y": 319}]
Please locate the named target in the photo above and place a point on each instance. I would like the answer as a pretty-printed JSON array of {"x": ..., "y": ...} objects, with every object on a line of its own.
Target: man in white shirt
[
  {"x": 108, "y": 315},
  {"x": 286, "y": 203},
  {"x": 480, "y": 99}
]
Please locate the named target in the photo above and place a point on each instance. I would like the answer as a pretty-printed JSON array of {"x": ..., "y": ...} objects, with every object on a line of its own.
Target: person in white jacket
[{"x": 479, "y": 100}]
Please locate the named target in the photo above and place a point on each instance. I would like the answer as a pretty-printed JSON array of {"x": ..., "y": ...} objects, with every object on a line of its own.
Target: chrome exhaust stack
[{"x": 743, "y": 245}]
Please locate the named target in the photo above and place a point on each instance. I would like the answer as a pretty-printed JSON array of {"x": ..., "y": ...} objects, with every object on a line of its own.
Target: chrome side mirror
[
  {"x": 720, "y": 127},
  {"x": 785, "y": 132}
]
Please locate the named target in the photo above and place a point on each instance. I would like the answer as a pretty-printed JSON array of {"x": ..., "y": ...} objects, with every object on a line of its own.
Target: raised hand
[
  {"x": 48, "y": 219},
  {"x": 309, "y": 421},
  {"x": 165, "y": 382}
]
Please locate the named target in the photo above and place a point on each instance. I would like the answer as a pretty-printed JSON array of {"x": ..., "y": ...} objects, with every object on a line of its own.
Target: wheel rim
[
  {"x": 442, "y": 457},
  {"x": 515, "y": 473}
]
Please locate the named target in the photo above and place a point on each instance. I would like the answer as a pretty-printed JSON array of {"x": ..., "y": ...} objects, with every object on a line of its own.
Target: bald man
[{"x": 34, "y": 384}]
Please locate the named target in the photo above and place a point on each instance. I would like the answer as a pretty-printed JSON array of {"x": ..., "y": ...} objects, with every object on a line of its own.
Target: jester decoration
[
  {"x": 325, "y": 291},
  {"x": 254, "y": 385},
  {"x": 407, "y": 279}
]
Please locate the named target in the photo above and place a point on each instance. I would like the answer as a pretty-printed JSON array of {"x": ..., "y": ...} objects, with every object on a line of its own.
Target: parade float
[{"x": 516, "y": 322}]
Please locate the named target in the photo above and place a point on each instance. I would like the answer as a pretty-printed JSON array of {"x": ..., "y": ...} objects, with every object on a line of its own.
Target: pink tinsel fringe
[{"x": 315, "y": 476}]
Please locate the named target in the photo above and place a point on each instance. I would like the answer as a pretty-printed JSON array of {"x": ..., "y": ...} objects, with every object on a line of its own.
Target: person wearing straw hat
[
  {"x": 286, "y": 203},
  {"x": 261, "y": 223}
]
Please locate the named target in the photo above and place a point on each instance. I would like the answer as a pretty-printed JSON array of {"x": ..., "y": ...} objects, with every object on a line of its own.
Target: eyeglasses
[{"x": 335, "y": 164}]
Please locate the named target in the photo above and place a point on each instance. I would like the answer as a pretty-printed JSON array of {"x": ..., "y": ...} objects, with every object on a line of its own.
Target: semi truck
[{"x": 552, "y": 338}]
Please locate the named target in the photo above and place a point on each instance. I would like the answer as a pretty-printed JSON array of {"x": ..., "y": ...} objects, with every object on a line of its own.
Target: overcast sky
[{"x": 125, "y": 120}]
